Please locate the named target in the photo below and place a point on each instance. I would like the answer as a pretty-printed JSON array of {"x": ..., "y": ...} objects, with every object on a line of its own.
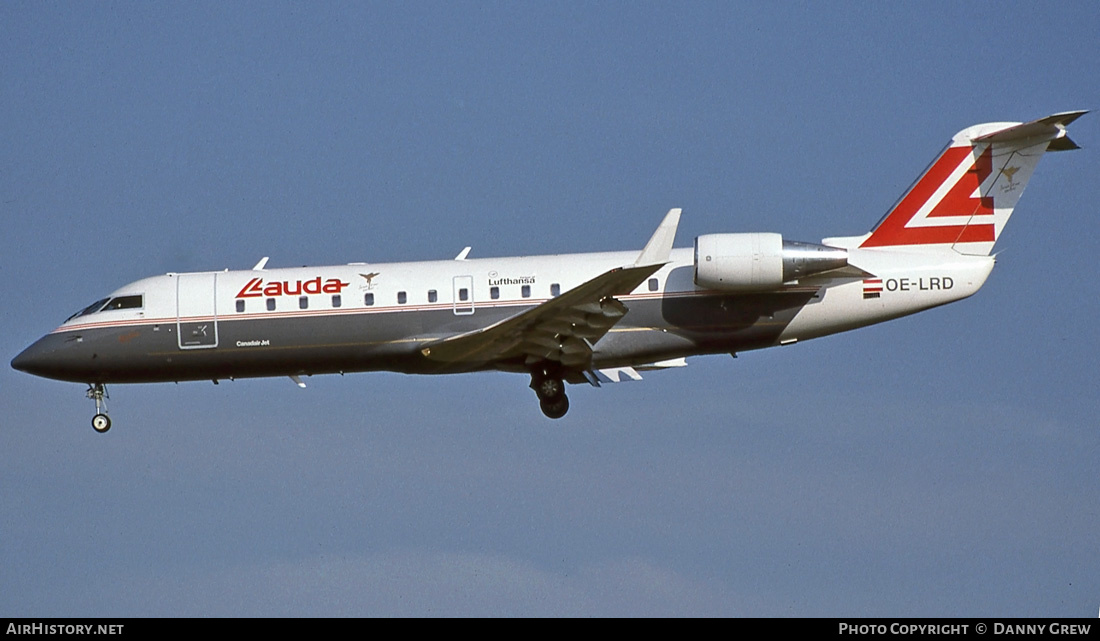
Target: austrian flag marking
[{"x": 872, "y": 288}]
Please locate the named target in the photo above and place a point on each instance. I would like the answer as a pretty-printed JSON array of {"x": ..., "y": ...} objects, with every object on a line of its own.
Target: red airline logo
[
  {"x": 257, "y": 287},
  {"x": 928, "y": 215}
]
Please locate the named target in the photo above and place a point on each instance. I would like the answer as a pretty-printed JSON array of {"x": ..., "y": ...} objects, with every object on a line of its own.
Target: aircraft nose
[
  {"x": 29, "y": 360},
  {"x": 50, "y": 357}
]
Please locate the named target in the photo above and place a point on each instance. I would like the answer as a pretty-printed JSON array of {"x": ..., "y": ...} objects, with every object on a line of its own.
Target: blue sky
[{"x": 942, "y": 464}]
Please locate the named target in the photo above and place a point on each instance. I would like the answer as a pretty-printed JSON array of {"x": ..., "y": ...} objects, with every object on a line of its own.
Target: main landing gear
[
  {"x": 550, "y": 389},
  {"x": 98, "y": 393}
]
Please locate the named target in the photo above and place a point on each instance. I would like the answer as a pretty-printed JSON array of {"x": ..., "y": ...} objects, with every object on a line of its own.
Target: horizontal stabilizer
[
  {"x": 1051, "y": 126},
  {"x": 1062, "y": 144}
]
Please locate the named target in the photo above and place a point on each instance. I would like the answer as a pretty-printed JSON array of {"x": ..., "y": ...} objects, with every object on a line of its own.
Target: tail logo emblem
[
  {"x": 946, "y": 205},
  {"x": 1009, "y": 172}
]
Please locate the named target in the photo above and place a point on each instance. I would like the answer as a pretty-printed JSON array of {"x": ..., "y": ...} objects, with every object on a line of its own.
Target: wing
[{"x": 563, "y": 329}]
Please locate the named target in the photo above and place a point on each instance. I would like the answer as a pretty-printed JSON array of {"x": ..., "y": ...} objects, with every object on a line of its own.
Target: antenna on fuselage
[{"x": 260, "y": 265}]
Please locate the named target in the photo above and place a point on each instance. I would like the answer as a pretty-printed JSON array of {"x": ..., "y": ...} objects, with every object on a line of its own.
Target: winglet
[{"x": 659, "y": 247}]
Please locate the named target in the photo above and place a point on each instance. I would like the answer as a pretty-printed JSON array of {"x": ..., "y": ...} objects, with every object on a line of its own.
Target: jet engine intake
[{"x": 759, "y": 262}]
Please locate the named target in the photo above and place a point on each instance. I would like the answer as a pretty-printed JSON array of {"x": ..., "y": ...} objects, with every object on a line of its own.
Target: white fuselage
[{"x": 365, "y": 316}]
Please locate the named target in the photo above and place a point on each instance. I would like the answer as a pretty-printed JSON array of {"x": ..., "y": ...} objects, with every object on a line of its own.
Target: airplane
[{"x": 580, "y": 318}]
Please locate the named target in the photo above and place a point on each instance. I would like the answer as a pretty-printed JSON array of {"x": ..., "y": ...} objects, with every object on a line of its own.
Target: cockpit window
[
  {"x": 90, "y": 309},
  {"x": 135, "y": 301},
  {"x": 125, "y": 302}
]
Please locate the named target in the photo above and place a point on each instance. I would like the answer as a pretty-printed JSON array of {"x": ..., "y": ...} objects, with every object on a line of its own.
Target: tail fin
[{"x": 966, "y": 196}]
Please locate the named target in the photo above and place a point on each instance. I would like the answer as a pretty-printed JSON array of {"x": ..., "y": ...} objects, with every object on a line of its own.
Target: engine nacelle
[{"x": 759, "y": 262}]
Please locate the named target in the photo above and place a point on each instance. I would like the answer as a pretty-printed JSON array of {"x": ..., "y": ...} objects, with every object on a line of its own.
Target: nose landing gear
[
  {"x": 98, "y": 393},
  {"x": 550, "y": 389}
]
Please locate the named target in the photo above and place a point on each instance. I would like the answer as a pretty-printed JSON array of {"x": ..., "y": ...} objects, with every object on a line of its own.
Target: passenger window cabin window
[
  {"x": 432, "y": 296},
  {"x": 525, "y": 291},
  {"x": 652, "y": 284},
  {"x": 555, "y": 290},
  {"x": 303, "y": 302},
  {"x": 336, "y": 301},
  {"x": 271, "y": 304},
  {"x": 240, "y": 305},
  {"x": 401, "y": 298},
  {"x": 463, "y": 294},
  {"x": 494, "y": 293},
  {"x": 368, "y": 299}
]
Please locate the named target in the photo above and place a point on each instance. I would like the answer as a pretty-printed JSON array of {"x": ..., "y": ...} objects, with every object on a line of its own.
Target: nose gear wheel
[{"x": 98, "y": 393}]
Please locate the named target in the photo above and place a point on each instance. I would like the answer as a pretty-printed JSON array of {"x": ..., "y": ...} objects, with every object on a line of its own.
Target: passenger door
[{"x": 197, "y": 310}]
